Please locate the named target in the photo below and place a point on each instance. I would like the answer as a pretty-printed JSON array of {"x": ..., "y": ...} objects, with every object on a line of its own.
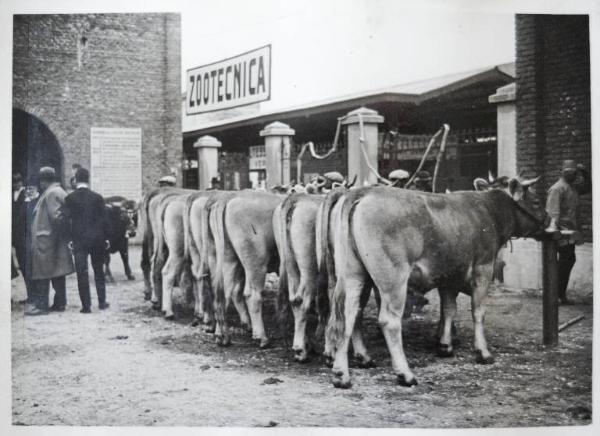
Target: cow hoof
[
  {"x": 130, "y": 277},
  {"x": 484, "y": 360},
  {"x": 328, "y": 361},
  {"x": 195, "y": 322},
  {"x": 222, "y": 342},
  {"x": 246, "y": 328},
  {"x": 264, "y": 343},
  {"x": 147, "y": 296},
  {"x": 300, "y": 356},
  {"x": 170, "y": 317},
  {"x": 402, "y": 381},
  {"x": 364, "y": 362},
  {"x": 445, "y": 350},
  {"x": 340, "y": 383}
]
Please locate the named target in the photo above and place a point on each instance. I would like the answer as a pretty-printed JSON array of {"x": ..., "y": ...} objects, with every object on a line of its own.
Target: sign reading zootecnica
[
  {"x": 116, "y": 161},
  {"x": 237, "y": 81}
]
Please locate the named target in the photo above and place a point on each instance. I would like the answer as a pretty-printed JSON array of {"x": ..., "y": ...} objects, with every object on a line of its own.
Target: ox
[
  {"x": 294, "y": 223},
  {"x": 172, "y": 241},
  {"x": 397, "y": 237},
  {"x": 327, "y": 230},
  {"x": 242, "y": 227},
  {"x": 122, "y": 220},
  {"x": 153, "y": 247}
]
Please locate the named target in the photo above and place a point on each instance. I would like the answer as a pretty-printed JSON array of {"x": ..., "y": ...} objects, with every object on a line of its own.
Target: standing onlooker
[
  {"x": 50, "y": 255},
  {"x": 74, "y": 169},
  {"x": 562, "y": 207},
  {"x": 85, "y": 212},
  {"x": 18, "y": 230}
]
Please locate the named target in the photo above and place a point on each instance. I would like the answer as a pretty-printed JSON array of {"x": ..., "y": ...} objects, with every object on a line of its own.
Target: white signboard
[
  {"x": 237, "y": 81},
  {"x": 116, "y": 164}
]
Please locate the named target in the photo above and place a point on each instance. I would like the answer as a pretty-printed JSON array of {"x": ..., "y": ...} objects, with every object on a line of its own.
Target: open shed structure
[{"x": 412, "y": 113}]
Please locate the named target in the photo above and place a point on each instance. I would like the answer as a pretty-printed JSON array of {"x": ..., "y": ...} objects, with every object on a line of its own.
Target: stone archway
[{"x": 34, "y": 146}]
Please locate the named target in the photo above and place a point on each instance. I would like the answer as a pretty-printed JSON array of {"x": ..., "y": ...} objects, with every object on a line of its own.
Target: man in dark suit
[
  {"x": 85, "y": 213},
  {"x": 18, "y": 230}
]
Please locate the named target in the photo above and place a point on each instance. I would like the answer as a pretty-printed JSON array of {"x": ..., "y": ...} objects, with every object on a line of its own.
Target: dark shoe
[
  {"x": 85, "y": 310},
  {"x": 103, "y": 306},
  {"x": 36, "y": 311},
  {"x": 55, "y": 308}
]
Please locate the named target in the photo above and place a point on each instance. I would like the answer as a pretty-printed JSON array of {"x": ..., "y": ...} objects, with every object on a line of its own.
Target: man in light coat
[{"x": 51, "y": 258}]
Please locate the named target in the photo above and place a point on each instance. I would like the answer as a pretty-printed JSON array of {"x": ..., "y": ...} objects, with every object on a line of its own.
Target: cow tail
[
  {"x": 325, "y": 259},
  {"x": 217, "y": 225},
  {"x": 336, "y": 326},
  {"x": 205, "y": 274},
  {"x": 284, "y": 253},
  {"x": 146, "y": 233}
]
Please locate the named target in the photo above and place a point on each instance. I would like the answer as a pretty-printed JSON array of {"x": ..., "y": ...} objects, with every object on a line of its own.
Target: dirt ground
[{"x": 128, "y": 366}]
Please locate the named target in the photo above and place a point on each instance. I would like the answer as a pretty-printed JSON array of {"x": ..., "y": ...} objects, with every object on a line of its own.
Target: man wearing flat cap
[
  {"x": 562, "y": 207},
  {"x": 422, "y": 182},
  {"x": 50, "y": 255}
]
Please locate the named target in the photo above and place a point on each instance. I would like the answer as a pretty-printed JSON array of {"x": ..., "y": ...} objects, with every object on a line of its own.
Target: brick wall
[
  {"x": 553, "y": 99},
  {"x": 75, "y": 72}
]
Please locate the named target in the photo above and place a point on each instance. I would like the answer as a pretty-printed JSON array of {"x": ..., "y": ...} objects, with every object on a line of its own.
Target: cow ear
[
  {"x": 515, "y": 189},
  {"x": 480, "y": 184}
]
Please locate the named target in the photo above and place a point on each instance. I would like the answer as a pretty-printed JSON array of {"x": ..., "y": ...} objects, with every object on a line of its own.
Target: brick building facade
[
  {"x": 75, "y": 72},
  {"x": 553, "y": 99}
]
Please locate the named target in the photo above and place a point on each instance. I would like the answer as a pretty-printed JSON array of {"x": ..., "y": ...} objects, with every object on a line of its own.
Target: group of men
[{"x": 53, "y": 234}]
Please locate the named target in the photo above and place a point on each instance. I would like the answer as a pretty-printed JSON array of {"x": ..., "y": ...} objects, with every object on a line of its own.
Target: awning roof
[{"x": 415, "y": 92}]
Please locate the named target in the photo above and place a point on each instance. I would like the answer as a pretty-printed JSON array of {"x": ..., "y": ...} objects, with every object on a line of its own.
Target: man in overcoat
[{"x": 50, "y": 254}]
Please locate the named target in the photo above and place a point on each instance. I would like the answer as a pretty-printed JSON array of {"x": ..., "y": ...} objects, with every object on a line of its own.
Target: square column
[
  {"x": 278, "y": 151},
  {"x": 504, "y": 99},
  {"x": 357, "y": 164},
  {"x": 208, "y": 160}
]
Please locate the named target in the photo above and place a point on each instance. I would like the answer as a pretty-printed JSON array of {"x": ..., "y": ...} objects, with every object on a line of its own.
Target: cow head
[{"x": 531, "y": 217}]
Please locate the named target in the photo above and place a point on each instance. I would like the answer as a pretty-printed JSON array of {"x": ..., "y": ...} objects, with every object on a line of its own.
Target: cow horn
[
  {"x": 320, "y": 182},
  {"x": 480, "y": 184},
  {"x": 336, "y": 185},
  {"x": 527, "y": 183},
  {"x": 491, "y": 177},
  {"x": 351, "y": 184}
]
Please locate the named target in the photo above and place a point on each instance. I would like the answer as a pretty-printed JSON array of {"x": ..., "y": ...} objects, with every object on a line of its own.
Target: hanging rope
[
  {"x": 311, "y": 147},
  {"x": 427, "y": 150},
  {"x": 439, "y": 157}
]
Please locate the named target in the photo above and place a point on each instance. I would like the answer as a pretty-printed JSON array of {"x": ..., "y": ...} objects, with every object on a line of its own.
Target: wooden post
[{"x": 550, "y": 291}]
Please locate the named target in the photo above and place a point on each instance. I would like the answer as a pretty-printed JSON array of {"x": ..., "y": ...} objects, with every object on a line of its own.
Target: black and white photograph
[{"x": 310, "y": 215}]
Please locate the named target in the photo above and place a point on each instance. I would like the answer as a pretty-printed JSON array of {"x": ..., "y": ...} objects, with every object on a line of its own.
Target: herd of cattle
[{"x": 331, "y": 248}]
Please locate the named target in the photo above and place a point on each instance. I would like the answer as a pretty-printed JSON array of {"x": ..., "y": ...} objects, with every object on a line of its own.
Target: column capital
[
  {"x": 504, "y": 94},
  {"x": 369, "y": 116},
  {"x": 277, "y": 128},
  {"x": 207, "y": 141}
]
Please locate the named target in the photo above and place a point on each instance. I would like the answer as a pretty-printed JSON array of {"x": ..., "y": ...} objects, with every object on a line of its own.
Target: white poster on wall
[{"x": 116, "y": 161}]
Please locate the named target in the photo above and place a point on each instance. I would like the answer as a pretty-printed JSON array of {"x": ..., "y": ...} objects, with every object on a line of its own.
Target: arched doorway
[{"x": 34, "y": 146}]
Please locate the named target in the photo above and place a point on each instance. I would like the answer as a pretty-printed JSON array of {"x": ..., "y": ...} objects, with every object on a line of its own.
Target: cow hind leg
[
  {"x": 170, "y": 272},
  {"x": 255, "y": 282},
  {"x": 481, "y": 280},
  {"x": 107, "y": 272},
  {"x": 124, "y": 252},
  {"x": 360, "y": 350},
  {"x": 300, "y": 306},
  {"x": 447, "y": 314},
  {"x": 393, "y": 298},
  {"x": 351, "y": 306}
]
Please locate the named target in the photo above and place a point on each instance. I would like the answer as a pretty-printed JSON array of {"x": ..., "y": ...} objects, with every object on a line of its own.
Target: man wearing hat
[
  {"x": 422, "y": 182},
  {"x": 50, "y": 255},
  {"x": 88, "y": 227},
  {"x": 562, "y": 207},
  {"x": 166, "y": 181},
  {"x": 399, "y": 178}
]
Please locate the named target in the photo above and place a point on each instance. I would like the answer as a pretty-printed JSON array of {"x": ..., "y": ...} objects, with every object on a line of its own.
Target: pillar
[
  {"x": 506, "y": 109},
  {"x": 278, "y": 151},
  {"x": 208, "y": 160},
  {"x": 356, "y": 160}
]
